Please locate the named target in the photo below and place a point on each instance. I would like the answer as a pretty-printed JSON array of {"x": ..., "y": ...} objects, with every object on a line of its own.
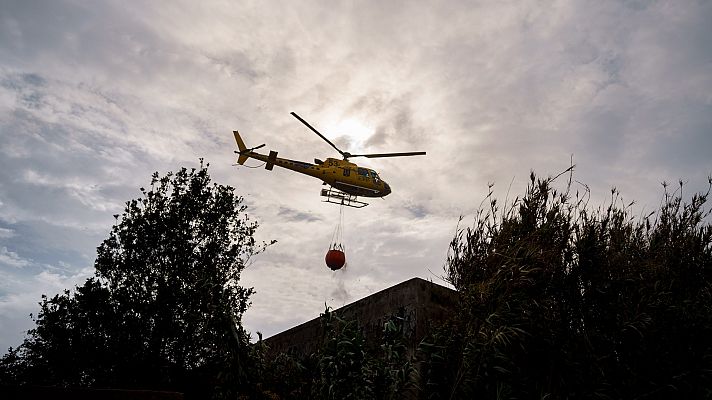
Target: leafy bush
[{"x": 559, "y": 301}]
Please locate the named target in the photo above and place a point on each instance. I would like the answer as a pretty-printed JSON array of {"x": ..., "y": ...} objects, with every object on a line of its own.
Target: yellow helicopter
[{"x": 347, "y": 180}]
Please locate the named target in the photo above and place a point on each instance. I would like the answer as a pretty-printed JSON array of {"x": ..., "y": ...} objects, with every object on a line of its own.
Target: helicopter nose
[{"x": 386, "y": 189}]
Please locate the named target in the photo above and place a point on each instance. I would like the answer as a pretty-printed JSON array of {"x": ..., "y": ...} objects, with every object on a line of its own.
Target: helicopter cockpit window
[
  {"x": 374, "y": 175},
  {"x": 363, "y": 171}
]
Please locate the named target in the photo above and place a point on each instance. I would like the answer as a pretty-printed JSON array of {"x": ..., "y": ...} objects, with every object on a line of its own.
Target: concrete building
[{"x": 421, "y": 304}]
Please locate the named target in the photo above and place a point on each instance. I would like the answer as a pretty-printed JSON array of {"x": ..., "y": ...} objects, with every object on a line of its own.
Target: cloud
[
  {"x": 6, "y": 233},
  {"x": 20, "y": 294},
  {"x": 292, "y": 215},
  {"x": 12, "y": 259}
]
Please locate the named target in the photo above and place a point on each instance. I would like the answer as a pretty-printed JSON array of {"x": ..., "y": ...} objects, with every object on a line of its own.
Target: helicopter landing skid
[{"x": 334, "y": 196}]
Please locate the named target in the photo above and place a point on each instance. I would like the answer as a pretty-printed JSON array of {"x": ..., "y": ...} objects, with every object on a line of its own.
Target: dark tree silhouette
[{"x": 164, "y": 311}]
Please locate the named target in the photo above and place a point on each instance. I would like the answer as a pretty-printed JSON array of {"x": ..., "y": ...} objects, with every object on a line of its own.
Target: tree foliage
[
  {"x": 559, "y": 301},
  {"x": 164, "y": 310}
]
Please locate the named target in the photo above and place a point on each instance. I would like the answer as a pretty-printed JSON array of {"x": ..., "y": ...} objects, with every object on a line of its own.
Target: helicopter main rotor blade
[
  {"x": 317, "y": 132},
  {"x": 411, "y": 153}
]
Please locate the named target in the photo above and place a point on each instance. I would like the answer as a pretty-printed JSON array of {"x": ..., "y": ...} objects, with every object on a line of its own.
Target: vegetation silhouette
[
  {"x": 558, "y": 300},
  {"x": 164, "y": 310}
]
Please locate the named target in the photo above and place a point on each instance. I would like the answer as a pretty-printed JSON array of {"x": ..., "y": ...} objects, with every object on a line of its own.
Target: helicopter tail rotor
[
  {"x": 240, "y": 145},
  {"x": 244, "y": 152}
]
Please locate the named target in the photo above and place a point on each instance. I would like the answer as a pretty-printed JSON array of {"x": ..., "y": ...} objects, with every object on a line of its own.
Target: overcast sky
[{"x": 97, "y": 95}]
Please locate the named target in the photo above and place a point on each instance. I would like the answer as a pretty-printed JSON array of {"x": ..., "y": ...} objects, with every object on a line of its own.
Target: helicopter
[{"x": 347, "y": 180}]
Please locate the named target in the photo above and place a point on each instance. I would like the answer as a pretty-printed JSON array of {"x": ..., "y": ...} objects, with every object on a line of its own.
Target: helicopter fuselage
[{"x": 340, "y": 174}]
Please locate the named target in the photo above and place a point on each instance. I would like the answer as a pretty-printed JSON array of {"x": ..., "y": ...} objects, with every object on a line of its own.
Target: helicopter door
[
  {"x": 347, "y": 171},
  {"x": 363, "y": 175}
]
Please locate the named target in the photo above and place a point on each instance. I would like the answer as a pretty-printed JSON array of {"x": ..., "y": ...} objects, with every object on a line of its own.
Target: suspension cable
[{"x": 337, "y": 236}]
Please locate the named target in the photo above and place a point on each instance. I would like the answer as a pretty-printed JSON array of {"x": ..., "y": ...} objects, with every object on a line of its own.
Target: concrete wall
[{"x": 421, "y": 303}]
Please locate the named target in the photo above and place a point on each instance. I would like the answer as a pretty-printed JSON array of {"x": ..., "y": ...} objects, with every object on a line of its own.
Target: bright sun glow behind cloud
[{"x": 355, "y": 131}]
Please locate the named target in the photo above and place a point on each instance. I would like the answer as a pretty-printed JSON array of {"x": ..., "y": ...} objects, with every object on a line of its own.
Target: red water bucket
[{"x": 335, "y": 259}]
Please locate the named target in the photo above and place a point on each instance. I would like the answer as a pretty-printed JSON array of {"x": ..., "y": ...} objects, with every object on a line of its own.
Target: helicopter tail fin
[{"x": 240, "y": 145}]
